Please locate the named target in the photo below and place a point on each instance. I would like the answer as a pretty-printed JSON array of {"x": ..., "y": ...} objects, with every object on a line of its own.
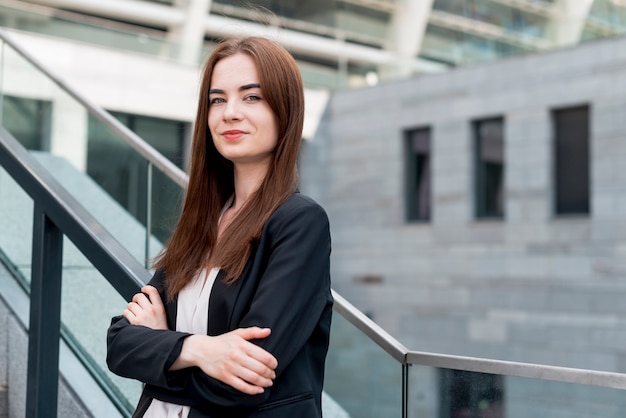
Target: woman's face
[{"x": 242, "y": 124}]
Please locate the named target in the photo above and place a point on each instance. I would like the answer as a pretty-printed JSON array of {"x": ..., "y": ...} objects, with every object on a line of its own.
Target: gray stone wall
[{"x": 532, "y": 287}]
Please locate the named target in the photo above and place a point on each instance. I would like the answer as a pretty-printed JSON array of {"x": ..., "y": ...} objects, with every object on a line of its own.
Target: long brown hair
[{"x": 192, "y": 245}]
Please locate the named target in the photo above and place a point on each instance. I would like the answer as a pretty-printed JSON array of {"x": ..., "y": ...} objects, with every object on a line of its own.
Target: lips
[{"x": 233, "y": 134}]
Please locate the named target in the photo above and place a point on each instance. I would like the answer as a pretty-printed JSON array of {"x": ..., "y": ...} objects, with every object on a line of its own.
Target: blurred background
[{"x": 469, "y": 154}]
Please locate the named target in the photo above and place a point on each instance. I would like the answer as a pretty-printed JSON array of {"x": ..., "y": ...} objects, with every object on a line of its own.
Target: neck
[{"x": 248, "y": 179}]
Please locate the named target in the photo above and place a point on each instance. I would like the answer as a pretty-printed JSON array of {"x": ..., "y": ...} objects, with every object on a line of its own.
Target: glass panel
[
  {"x": 611, "y": 13},
  {"x": 16, "y": 227},
  {"x": 447, "y": 393},
  {"x": 16, "y": 207},
  {"x": 88, "y": 303},
  {"x": 319, "y": 76},
  {"x": 361, "y": 377},
  {"x": 28, "y": 120},
  {"x": 123, "y": 173},
  {"x": 167, "y": 201},
  {"x": 88, "y": 300},
  {"x": 606, "y": 18},
  {"x": 510, "y": 18},
  {"x": 105, "y": 174},
  {"x": 452, "y": 46},
  {"x": 345, "y": 21}
]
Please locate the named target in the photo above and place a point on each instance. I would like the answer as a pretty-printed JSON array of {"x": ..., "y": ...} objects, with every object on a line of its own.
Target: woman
[{"x": 236, "y": 320}]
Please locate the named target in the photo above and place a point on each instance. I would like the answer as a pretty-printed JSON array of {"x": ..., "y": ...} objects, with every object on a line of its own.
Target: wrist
[{"x": 186, "y": 357}]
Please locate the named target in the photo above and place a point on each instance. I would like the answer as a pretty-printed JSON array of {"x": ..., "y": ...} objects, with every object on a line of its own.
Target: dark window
[
  {"x": 417, "y": 149},
  {"x": 29, "y": 121},
  {"x": 571, "y": 160},
  {"x": 489, "y": 168},
  {"x": 471, "y": 395}
]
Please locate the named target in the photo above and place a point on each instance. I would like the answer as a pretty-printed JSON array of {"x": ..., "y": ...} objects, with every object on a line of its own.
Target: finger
[
  {"x": 241, "y": 360},
  {"x": 230, "y": 371},
  {"x": 253, "y": 333},
  {"x": 135, "y": 309},
  {"x": 259, "y": 369},
  {"x": 153, "y": 294},
  {"x": 261, "y": 355},
  {"x": 128, "y": 315},
  {"x": 132, "y": 318},
  {"x": 243, "y": 386},
  {"x": 254, "y": 378},
  {"x": 141, "y": 300}
]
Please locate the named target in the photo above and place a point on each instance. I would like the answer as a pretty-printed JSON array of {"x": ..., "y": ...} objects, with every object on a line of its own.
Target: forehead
[{"x": 234, "y": 71}]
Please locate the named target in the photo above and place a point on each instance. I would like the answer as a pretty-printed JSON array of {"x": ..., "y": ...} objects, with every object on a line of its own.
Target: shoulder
[
  {"x": 298, "y": 205},
  {"x": 298, "y": 211}
]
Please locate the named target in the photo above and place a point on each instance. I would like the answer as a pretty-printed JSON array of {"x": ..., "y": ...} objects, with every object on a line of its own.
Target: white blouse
[{"x": 192, "y": 317}]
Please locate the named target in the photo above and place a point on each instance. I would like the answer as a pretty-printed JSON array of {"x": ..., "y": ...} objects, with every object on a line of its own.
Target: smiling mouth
[{"x": 233, "y": 135}]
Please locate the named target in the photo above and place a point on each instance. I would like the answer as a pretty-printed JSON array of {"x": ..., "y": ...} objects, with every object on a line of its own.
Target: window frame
[
  {"x": 480, "y": 210},
  {"x": 413, "y": 175},
  {"x": 554, "y": 113}
]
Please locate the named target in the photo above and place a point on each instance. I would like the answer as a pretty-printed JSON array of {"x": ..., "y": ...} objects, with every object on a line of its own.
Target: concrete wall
[{"x": 532, "y": 287}]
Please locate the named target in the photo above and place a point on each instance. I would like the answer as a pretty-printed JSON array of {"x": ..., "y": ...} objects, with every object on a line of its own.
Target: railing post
[
  {"x": 3, "y": 66},
  {"x": 148, "y": 213},
  {"x": 405, "y": 389},
  {"x": 45, "y": 318}
]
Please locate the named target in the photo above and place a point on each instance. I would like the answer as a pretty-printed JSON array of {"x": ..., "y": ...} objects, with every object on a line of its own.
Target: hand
[
  {"x": 147, "y": 312},
  {"x": 231, "y": 358}
]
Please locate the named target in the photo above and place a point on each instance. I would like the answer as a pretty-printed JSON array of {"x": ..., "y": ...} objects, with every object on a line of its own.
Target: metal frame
[
  {"x": 58, "y": 214},
  {"x": 45, "y": 316},
  {"x": 474, "y": 364}
]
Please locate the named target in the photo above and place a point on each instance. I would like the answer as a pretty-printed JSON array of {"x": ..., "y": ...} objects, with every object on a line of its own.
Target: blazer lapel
[{"x": 221, "y": 305}]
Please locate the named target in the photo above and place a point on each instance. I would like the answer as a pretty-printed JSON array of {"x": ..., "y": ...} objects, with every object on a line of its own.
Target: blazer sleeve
[
  {"x": 295, "y": 287},
  {"x": 143, "y": 353},
  {"x": 291, "y": 296}
]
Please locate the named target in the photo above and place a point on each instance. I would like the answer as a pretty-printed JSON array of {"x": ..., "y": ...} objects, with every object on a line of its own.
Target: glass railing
[
  {"x": 65, "y": 283},
  {"x": 76, "y": 136},
  {"x": 361, "y": 376},
  {"x": 457, "y": 387},
  {"x": 370, "y": 374},
  {"x": 60, "y": 134}
]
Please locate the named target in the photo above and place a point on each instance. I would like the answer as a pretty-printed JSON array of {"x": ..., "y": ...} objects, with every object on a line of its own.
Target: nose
[{"x": 232, "y": 110}]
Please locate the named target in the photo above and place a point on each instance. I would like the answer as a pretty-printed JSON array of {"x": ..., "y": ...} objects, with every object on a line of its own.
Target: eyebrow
[{"x": 242, "y": 88}]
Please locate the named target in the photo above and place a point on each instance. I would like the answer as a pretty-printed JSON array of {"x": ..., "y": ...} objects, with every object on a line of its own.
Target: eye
[
  {"x": 216, "y": 100},
  {"x": 253, "y": 98}
]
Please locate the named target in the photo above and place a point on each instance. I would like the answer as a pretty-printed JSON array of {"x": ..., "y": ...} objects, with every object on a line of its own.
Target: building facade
[{"x": 482, "y": 212}]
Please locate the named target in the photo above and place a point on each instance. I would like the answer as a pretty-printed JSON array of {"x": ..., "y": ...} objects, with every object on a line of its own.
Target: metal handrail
[
  {"x": 519, "y": 369},
  {"x": 110, "y": 257},
  {"x": 128, "y": 136},
  {"x": 57, "y": 213},
  {"x": 364, "y": 324},
  {"x": 473, "y": 364}
]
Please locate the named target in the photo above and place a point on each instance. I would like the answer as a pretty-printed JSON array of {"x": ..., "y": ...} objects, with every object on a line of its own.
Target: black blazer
[{"x": 285, "y": 286}]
